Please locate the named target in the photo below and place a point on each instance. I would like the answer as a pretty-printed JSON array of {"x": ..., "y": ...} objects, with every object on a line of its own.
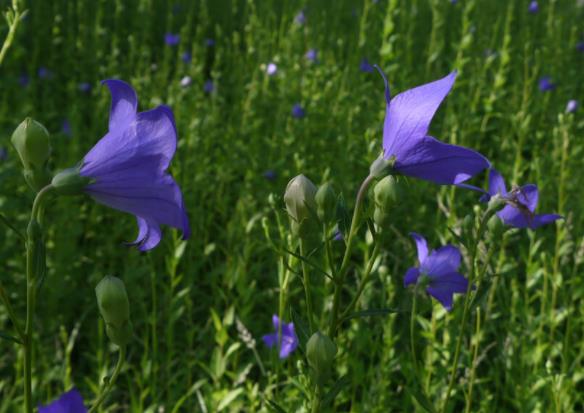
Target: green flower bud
[
  {"x": 300, "y": 204},
  {"x": 31, "y": 141},
  {"x": 387, "y": 193},
  {"x": 70, "y": 182},
  {"x": 320, "y": 353},
  {"x": 114, "y": 307},
  {"x": 381, "y": 166},
  {"x": 326, "y": 203}
]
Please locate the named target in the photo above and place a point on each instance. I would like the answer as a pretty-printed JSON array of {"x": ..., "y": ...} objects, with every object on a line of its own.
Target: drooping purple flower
[
  {"x": 519, "y": 211},
  {"x": 546, "y": 84},
  {"x": 270, "y": 175},
  {"x": 572, "y": 106},
  {"x": 44, "y": 73},
  {"x": 3, "y": 153},
  {"x": 187, "y": 57},
  {"x": 533, "y": 7},
  {"x": 286, "y": 339},
  {"x": 23, "y": 80},
  {"x": 186, "y": 81},
  {"x": 209, "y": 86},
  {"x": 300, "y": 18},
  {"x": 271, "y": 69},
  {"x": 365, "y": 66},
  {"x": 408, "y": 146},
  {"x": 298, "y": 111},
  {"x": 70, "y": 402},
  {"x": 438, "y": 272},
  {"x": 84, "y": 87},
  {"x": 312, "y": 55},
  {"x": 66, "y": 128},
  {"x": 128, "y": 167},
  {"x": 209, "y": 42},
  {"x": 171, "y": 39}
]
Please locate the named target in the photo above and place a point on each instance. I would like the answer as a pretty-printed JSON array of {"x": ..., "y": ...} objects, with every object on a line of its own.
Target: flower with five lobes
[
  {"x": 407, "y": 145},
  {"x": 128, "y": 168},
  {"x": 438, "y": 272},
  {"x": 70, "y": 402},
  {"x": 285, "y": 338}
]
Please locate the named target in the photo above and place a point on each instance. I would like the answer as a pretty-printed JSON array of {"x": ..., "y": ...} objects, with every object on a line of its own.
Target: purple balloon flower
[
  {"x": 271, "y": 69},
  {"x": 298, "y": 111},
  {"x": 365, "y": 66},
  {"x": 171, "y": 39},
  {"x": 438, "y": 272},
  {"x": 300, "y": 17},
  {"x": 23, "y": 80},
  {"x": 270, "y": 175},
  {"x": 580, "y": 46},
  {"x": 128, "y": 166},
  {"x": 44, "y": 73},
  {"x": 186, "y": 81},
  {"x": 406, "y": 141},
  {"x": 66, "y": 128},
  {"x": 70, "y": 402},
  {"x": 85, "y": 87},
  {"x": 572, "y": 106},
  {"x": 533, "y": 7},
  {"x": 546, "y": 84},
  {"x": 287, "y": 342},
  {"x": 187, "y": 57},
  {"x": 209, "y": 42},
  {"x": 312, "y": 55},
  {"x": 209, "y": 86}
]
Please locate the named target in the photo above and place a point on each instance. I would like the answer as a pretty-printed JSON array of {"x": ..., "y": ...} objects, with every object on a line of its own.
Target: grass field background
[{"x": 238, "y": 147}]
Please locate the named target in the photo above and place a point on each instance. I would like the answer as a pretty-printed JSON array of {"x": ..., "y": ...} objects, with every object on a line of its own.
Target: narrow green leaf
[
  {"x": 8, "y": 337},
  {"x": 273, "y": 406}
]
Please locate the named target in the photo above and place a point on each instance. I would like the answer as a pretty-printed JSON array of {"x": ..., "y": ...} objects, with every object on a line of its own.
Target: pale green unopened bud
[
  {"x": 387, "y": 193},
  {"x": 70, "y": 182},
  {"x": 300, "y": 204},
  {"x": 320, "y": 353},
  {"x": 326, "y": 203},
  {"x": 31, "y": 140},
  {"x": 114, "y": 307}
]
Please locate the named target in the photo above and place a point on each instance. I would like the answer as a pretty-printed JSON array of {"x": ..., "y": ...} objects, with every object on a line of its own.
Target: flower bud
[
  {"x": 70, "y": 182},
  {"x": 31, "y": 141},
  {"x": 300, "y": 204},
  {"x": 326, "y": 203},
  {"x": 387, "y": 193},
  {"x": 381, "y": 166},
  {"x": 114, "y": 307},
  {"x": 320, "y": 353}
]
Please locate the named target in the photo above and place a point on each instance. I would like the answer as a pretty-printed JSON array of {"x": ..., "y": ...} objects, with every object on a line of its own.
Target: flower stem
[
  {"x": 316, "y": 401},
  {"x": 306, "y": 281},
  {"x": 412, "y": 331},
  {"x": 16, "y": 17},
  {"x": 340, "y": 277},
  {"x": 110, "y": 381}
]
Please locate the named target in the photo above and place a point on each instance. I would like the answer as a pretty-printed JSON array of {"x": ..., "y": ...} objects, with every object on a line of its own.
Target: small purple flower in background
[
  {"x": 44, "y": 73},
  {"x": 338, "y": 235},
  {"x": 186, "y": 81},
  {"x": 209, "y": 42},
  {"x": 70, "y": 402},
  {"x": 546, "y": 84},
  {"x": 407, "y": 144},
  {"x": 453, "y": 1},
  {"x": 23, "y": 80},
  {"x": 533, "y": 7},
  {"x": 270, "y": 175},
  {"x": 128, "y": 166},
  {"x": 438, "y": 272},
  {"x": 84, "y": 87},
  {"x": 312, "y": 55},
  {"x": 271, "y": 69},
  {"x": 66, "y": 128},
  {"x": 186, "y": 57},
  {"x": 300, "y": 18},
  {"x": 171, "y": 39},
  {"x": 572, "y": 106},
  {"x": 298, "y": 111},
  {"x": 287, "y": 342},
  {"x": 209, "y": 86},
  {"x": 3, "y": 153},
  {"x": 580, "y": 46},
  {"x": 365, "y": 66}
]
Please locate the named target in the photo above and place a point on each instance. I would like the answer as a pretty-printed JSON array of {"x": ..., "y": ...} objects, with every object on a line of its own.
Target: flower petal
[
  {"x": 544, "y": 219},
  {"x": 270, "y": 339},
  {"x": 528, "y": 195},
  {"x": 276, "y": 322},
  {"x": 514, "y": 217},
  {"x": 289, "y": 344},
  {"x": 442, "y": 288},
  {"x": 70, "y": 402},
  {"x": 440, "y": 162},
  {"x": 496, "y": 183},
  {"x": 124, "y": 103},
  {"x": 421, "y": 245},
  {"x": 408, "y": 115},
  {"x": 442, "y": 261},
  {"x": 149, "y": 234},
  {"x": 411, "y": 276}
]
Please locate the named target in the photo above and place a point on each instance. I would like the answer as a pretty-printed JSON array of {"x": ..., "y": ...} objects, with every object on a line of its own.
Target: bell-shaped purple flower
[
  {"x": 300, "y": 18},
  {"x": 533, "y": 7},
  {"x": 407, "y": 144},
  {"x": 285, "y": 338},
  {"x": 70, "y": 402},
  {"x": 171, "y": 39},
  {"x": 128, "y": 167},
  {"x": 298, "y": 111},
  {"x": 546, "y": 84},
  {"x": 365, "y": 66},
  {"x": 438, "y": 272}
]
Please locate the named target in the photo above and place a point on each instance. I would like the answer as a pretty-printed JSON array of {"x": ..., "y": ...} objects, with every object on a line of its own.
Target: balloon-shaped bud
[
  {"x": 301, "y": 204},
  {"x": 387, "y": 193},
  {"x": 31, "y": 141},
  {"x": 114, "y": 307},
  {"x": 326, "y": 203},
  {"x": 70, "y": 182},
  {"x": 320, "y": 353}
]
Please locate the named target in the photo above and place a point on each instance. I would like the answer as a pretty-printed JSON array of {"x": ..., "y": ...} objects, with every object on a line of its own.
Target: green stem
[
  {"x": 412, "y": 331},
  {"x": 11, "y": 314},
  {"x": 306, "y": 281},
  {"x": 340, "y": 278},
  {"x": 474, "y": 362},
  {"x": 11, "y": 31},
  {"x": 110, "y": 382},
  {"x": 316, "y": 401}
]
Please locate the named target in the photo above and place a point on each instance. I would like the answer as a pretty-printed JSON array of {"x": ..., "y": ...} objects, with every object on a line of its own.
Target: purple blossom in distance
[
  {"x": 533, "y": 7},
  {"x": 271, "y": 69},
  {"x": 270, "y": 175},
  {"x": 44, "y": 73},
  {"x": 572, "y": 106},
  {"x": 186, "y": 57},
  {"x": 23, "y": 80},
  {"x": 413, "y": 151},
  {"x": 312, "y": 55},
  {"x": 365, "y": 66},
  {"x": 3, "y": 153},
  {"x": 300, "y": 17},
  {"x": 580, "y": 46},
  {"x": 66, "y": 128},
  {"x": 546, "y": 84},
  {"x": 85, "y": 87},
  {"x": 171, "y": 39},
  {"x": 338, "y": 235},
  {"x": 287, "y": 342},
  {"x": 70, "y": 402},
  {"x": 186, "y": 81},
  {"x": 209, "y": 42},
  {"x": 438, "y": 272},
  {"x": 128, "y": 166},
  {"x": 209, "y": 86},
  {"x": 298, "y": 111}
]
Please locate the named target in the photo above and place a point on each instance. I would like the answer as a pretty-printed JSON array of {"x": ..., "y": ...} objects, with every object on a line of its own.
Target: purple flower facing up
[
  {"x": 521, "y": 203},
  {"x": 438, "y": 272},
  {"x": 70, "y": 402},
  {"x": 298, "y": 111},
  {"x": 286, "y": 339},
  {"x": 546, "y": 84},
  {"x": 271, "y": 69},
  {"x": 572, "y": 106},
  {"x": 171, "y": 39},
  {"x": 209, "y": 86},
  {"x": 365, "y": 66},
  {"x": 312, "y": 55},
  {"x": 409, "y": 148},
  {"x": 186, "y": 57},
  {"x": 128, "y": 166},
  {"x": 84, "y": 87},
  {"x": 533, "y": 7}
]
